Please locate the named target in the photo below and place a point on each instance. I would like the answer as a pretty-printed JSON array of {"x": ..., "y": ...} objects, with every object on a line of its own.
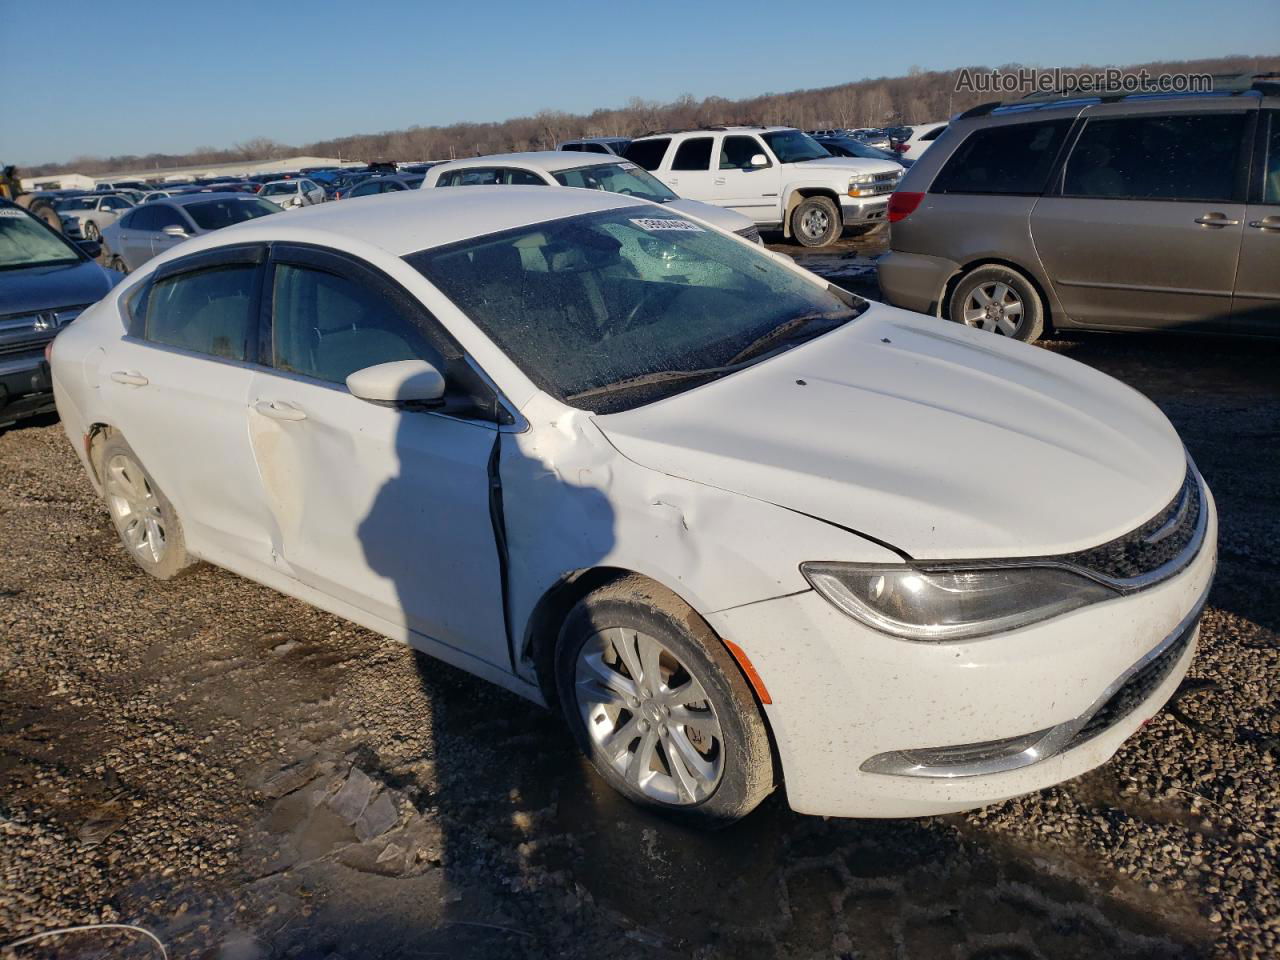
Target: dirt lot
[{"x": 248, "y": 777}]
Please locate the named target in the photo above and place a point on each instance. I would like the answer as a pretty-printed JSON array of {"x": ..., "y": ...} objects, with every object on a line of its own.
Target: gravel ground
[{"x": 249, "y": 777}]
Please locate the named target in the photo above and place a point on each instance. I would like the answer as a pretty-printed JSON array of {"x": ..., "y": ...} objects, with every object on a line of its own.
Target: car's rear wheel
[
  {"x": 117, "y": 263},
  {"x": 815, "y": 222},
  {"x": 91, "y": 232},
  {"x": 999, "y": 300},
  {"x": 660, "y": 707},
  {"x": 143, "y": 516}
]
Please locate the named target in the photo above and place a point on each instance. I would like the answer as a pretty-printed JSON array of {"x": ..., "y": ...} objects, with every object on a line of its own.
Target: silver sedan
[{"x": 155, "y": 227}]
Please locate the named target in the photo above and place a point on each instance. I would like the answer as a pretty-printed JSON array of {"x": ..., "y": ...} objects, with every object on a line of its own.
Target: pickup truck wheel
[
  {"x": 660, "y": 708},
  {"x": 815, "y": 222},
  {"x": 999, "y": 300}
]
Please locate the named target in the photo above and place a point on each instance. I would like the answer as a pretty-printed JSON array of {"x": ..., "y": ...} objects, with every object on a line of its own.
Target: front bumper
[
  {"x": 844, "y": 694},
  {"x": 25, "y": 387},
  {"x": 866, "y": 210}
]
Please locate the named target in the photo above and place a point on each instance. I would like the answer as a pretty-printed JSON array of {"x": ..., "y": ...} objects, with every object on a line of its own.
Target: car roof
[
  {"x": 748, "y": 128},
  {"x": 187, "y": 199},
  {"x": 405, "y": 222},
  {"x": 549, "y": 161}
]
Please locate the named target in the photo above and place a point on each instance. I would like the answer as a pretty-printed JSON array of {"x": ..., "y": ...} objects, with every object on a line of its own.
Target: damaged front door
[{"x": 381, "y": 508}]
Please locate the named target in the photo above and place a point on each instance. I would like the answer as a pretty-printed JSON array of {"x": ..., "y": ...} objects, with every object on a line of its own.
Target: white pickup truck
[{"x": 778, "y": 176}]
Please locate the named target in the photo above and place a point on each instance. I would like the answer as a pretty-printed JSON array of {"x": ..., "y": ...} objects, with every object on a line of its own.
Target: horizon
[{"x": 493, "y": 77}]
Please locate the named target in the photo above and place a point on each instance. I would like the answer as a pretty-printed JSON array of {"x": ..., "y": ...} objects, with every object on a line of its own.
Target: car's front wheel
[
  {"x": 143, "y": 516},
  {"x": 815, "y": 222},
  {"x": 117, "y": 263},
  {"x": 91, "y": 232},
  {"x": 659, "y": 706}
]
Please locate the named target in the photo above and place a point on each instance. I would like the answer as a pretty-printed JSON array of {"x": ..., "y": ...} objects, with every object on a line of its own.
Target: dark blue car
[{"x": 45, "y": 282}]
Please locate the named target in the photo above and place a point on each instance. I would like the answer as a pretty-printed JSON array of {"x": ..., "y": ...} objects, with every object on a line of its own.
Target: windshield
[
  {"x": 593, "y": 300},
  {"x": 792, "y": 146},
  {"x": 279, "y": 187},
  {"x": 26, "y": 243},
  {"x": 76, "y": 203},
  {"x": 622, "y": 177},
  {"x": 215, "y": 214},
  {"x": 856, "y": 148}
]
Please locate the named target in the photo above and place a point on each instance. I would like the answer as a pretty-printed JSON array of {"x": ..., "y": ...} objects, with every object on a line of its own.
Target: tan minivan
[{"x": 1125, "y": 212}]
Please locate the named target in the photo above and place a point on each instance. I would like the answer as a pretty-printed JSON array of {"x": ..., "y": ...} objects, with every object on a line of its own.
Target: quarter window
[
  {"x": 1013, "y": 159},
  {"x": 328, "y": 327},
  {"x": 1179, "y": 157},
  {"x": 694, "y": 154},
  {"x": 648, "y": 154},
  {"x": 209, "y": 311}
]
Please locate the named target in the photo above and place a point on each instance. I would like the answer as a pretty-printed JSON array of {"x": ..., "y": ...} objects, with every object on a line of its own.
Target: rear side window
[
  {"x": 933, "y": 134},
  {"x": 1180, "y": 157},
  {"x": 208, "y": 311},
  {"x": 1015, "y": 159},
  {"x": 647, "y": 154},
  {"x": 693, "y": 154},
  {"x": 1271, "y": 172},
  {"x": 328, "y": 327}
]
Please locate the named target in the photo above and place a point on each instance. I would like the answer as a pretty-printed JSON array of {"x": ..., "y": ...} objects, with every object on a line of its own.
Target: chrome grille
[{"x": 21, "y": 333}]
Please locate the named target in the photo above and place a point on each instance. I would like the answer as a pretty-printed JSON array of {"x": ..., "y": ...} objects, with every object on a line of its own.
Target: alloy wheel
[
  {"x": 815, "y": 223},
  {"x": 649, "y": 716},
  {"x": 994, "y": 307},
  {"x": 136, "y": 508}
]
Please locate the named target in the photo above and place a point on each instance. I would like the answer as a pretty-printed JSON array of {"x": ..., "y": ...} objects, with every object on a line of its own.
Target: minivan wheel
[
  {"x": 998, "y": 300},
  {"x": 143, "y": 516},
  {"x": 815, "y": 222},
  {"x": 659, "y": 707}
]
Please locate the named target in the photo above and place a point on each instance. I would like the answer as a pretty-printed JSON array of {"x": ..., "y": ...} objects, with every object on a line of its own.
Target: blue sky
[{"x": 141, "y": 77}]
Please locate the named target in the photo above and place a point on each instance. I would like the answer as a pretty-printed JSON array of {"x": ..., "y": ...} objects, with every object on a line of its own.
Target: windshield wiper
[
  {"x": 658, "y": 376},
  {"x": 785, "y": 330}
]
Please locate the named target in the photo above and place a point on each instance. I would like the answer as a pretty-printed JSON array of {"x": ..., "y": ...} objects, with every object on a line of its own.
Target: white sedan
[
  {"x": 743, "y": 528},
  {"x": 291, "y": 194}
]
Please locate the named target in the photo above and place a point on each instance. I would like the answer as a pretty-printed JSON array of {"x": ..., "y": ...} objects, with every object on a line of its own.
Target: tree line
[{"x": 918, "y": 97}]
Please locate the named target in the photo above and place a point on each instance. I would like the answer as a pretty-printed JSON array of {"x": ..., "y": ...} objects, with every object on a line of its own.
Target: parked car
[
  {"x": 777, "y": 176},
  {"x": 157, "y": 227},
  {"x": 342, "y": 184},
  {"x": 853, "y": 147},
  {"x": 84, "y": 217},
  {"x": 873, "y": 136},
  {"x": 1132, "y": 213},
  {"x": 290, "y": 194},
  {"x": 374, "y": 185},
  {"x": 46, "y": 281},
  {"x": 742, "y": 527},
  {"x": 614, "y": 145},
  {"x": 566, "y": 169},
  {"x": 918, "y": 140},
  {"x": 831, "y": 132}
]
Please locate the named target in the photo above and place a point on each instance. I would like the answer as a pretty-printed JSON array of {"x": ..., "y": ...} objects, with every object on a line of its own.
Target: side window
[
  {"x": 477, "y": 176},
  {"x": 523, "y": 178},
  {"x": 1179, "y": 157},
  {"x": 133, "y": 221},
  {"x": 648, "y": 154},
  {"x": 1014, "y": 159},
  {"x": 327, "y": 327},
  {"x": 1271, "y": 172},
  {"x": 391, "y": 186},
  {"x": 165, "y": 216},
  {"x": 115, "y": 203},
  {"x": 933, "y": 134},
  {"x": 208, "y": 311},
  {"x": 575, "y": 147},
  {"x": 693, "y": 154},
  {"x": 736, "y": 152}
]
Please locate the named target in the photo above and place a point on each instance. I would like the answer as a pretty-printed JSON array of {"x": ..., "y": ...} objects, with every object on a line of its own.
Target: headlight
[
  {"x": 930, "y": 604},
  {"x": 861, "y": 178}
]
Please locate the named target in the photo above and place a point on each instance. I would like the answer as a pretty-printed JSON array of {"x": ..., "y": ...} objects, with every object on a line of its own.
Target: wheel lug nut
[{"x": 644, "y": 724}]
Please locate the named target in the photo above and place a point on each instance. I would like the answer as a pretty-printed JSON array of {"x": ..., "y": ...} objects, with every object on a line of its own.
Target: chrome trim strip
[{"x": 1047, "y": 743}]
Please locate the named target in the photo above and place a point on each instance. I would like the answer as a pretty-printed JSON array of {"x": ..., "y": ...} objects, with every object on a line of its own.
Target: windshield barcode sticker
[
  {"x": 10, "y": 212},
  {"x": 657, "y": 225}
]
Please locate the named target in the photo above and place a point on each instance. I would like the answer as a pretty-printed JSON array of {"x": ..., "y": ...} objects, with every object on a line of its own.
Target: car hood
[
  {"x": 719, "y": 216},
  {"x": 945, "y": 442},
  {"x": 846, "y": 165},
  {"x": 30, "y": 289}
]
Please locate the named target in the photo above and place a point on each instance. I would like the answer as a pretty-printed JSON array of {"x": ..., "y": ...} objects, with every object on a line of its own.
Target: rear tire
[
  {"x": 117, "y": 263},
  {"x": 91, "y": 232},
  {"x": 815, "y": 222},
  {"x": 660, "y": 708},
  {"x": 144, "y": 518},
  {"x": 1000, "y": 300}
]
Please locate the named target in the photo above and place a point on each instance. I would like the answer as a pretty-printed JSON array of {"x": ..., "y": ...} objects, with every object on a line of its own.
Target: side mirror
[
  {"x": 92, "y": 248},
  {"x": 759, "y": 160},
  {"x": 173, "y": 231},
  {"x": 398, "y": 382}
]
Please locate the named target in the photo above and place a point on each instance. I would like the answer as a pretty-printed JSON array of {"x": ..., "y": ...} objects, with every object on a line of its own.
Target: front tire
[
  {"x": 815, "y": 222},
  {"x": 999, "y": 300},
  {"x": 660, "y": 708},
  {"x": 117, "y": 264},
  {"x": 91, "y": 232},
  {"x": 144, "y": 518}
]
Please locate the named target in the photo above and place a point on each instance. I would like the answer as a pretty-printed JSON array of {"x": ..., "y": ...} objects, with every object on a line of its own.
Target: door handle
[
  {"x": 718, "y": 181},
  {"x": 279, "y": 410},
  {"x": 130, "y": 378},
  {"x": 1216, "y": 220},
  {"x": 1266, "y": 223}
]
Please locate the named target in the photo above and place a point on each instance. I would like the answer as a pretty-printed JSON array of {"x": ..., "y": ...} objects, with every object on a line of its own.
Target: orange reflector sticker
[{"x": 756, "y": 683}]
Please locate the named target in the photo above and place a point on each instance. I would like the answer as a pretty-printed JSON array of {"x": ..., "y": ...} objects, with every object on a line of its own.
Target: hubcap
[
  {"x": 136, "y": 508},
  {"x": 815, "y": 223},
  {"x": 995, "y": 307},
  {"x": 649, "y": 716}
]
